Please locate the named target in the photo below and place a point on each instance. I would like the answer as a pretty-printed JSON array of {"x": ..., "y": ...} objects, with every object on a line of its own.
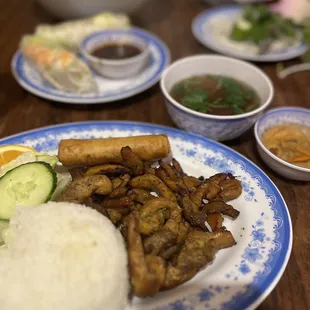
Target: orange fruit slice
[{"x": 11, "y": 152}]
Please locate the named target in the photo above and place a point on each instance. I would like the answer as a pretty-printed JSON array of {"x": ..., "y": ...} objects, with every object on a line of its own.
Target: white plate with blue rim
[
  {"x": 109, "y": 90},
  {"x": 212, "y": 29},
  {"x": 240, "y": 277}
]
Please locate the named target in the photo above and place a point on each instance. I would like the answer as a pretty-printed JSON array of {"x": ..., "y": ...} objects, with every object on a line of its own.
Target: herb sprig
[
  {"x": 261, "y": 26},
  {"x": 195, "y": 97}
]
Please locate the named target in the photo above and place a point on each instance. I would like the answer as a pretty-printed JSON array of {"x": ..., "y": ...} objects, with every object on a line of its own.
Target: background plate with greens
[{"x": 201, "y": 28}]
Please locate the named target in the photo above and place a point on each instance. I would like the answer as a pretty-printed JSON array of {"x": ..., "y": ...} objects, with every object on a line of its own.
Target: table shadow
[
  {"x": 151, "y": 12},
  {"x": 10, "y": 92},
  {"x": 244, "y": 138},
  {"x": 108, "y": 105},
  {"x": 43, "y": 16}
]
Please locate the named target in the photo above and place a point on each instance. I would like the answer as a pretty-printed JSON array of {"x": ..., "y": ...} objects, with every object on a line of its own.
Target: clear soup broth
[{"x": 215, "y": 94}]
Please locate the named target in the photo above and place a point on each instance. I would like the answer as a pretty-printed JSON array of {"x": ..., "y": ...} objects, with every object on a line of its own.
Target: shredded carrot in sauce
[{"x": 290, "y": 142}]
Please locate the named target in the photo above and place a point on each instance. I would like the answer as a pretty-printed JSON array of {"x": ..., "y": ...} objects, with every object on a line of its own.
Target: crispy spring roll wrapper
[{"x": 73, "y": 152}]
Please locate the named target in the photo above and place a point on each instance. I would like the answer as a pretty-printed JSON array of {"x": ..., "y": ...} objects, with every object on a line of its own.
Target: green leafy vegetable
[
  {"x": 261, "y": 26},
  {"x": 235, "y": 95},
  {"x": 251, "y": 107},
  {"x": 237, "y": 110},
  {"x": 249, "y": 95},
  {"x": 196, "y": 100},
  {"x": 63, "y": 179},
  {"x": 306, "y": 39},
  {"x": 224, "y": 93},
  {"x": 306, "y": 32}
]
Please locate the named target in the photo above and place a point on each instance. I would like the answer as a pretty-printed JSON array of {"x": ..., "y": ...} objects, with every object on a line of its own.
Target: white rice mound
[{"x": 61, "y": 256}]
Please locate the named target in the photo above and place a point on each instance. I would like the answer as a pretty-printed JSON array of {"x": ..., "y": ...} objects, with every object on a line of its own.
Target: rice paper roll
[
  {"x": 75, "y": 152},
  {"x": 70, "y": 34},
  {"x": 58, "y": 66}
]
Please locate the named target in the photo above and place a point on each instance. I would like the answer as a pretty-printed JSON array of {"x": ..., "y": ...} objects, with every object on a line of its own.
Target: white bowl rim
[
  {"x": 211, "y": 116},
  {"x": 115, "y": 62},
  {"x": 265, "y": 149}
]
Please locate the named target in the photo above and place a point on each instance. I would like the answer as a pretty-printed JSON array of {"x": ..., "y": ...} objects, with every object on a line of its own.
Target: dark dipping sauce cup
[{"x": 115, "y": 54}]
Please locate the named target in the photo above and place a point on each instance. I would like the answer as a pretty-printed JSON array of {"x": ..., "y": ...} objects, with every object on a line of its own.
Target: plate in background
[
  {"x": 202, "y": 30},
  {"x": 109, "y": 90},
  {"x": 241, "y": 277}
]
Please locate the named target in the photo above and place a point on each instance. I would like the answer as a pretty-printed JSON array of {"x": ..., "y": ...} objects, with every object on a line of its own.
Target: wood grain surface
[{"x": 171, "y": 21}]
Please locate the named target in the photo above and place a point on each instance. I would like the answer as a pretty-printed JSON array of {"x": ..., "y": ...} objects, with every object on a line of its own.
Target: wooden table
[{"x": 171, "y": 21}]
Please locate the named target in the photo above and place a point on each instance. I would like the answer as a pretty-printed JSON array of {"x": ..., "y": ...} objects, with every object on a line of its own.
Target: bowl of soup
[
  {"x": 215, "y": 96},
  {"x": 283, "y": 141},
  {"x": 116, "y": 54}
]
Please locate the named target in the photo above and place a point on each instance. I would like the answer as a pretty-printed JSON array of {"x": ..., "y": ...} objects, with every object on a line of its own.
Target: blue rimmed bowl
[
  {"x": 116, "y": 68},
  {"x": 215, "y": 127},
  {"x": 276, "y": 117}
]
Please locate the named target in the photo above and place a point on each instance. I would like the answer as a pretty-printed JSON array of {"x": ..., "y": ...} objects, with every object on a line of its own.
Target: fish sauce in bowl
[
  {"x": 216, "y": 95},
  {"x": 116, "y": 51}
]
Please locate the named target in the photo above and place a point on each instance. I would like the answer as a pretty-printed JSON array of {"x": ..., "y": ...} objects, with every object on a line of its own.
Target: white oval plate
[
  {"x": 109, "y": 90},
  {"x": 241, "y": 277},
  {"x": 218, "y": 39}
]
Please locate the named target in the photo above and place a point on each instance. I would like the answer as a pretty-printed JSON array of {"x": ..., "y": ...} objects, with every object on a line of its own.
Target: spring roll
[
  {"x": 73, "y": 152},
  {"x": 69, "y": 34},
  {"x": 61, "y": 68}
]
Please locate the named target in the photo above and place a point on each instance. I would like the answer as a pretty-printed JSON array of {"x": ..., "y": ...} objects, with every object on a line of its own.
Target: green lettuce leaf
[{"x": 63, "y": 180}]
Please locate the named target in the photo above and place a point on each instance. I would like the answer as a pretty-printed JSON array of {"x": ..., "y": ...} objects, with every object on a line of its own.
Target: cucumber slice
[
  {"x": 3, "y": 226},
  {"x": 27, "y": 185}
]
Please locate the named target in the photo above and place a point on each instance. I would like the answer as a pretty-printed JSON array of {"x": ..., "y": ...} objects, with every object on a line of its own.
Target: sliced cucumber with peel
[{"x": 27, "y": 185}]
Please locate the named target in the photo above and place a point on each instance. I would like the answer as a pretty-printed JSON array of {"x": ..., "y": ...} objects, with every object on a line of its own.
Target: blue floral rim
[
  {"x": 263, "y": 283},
  {"x": 17, "y": 66}
]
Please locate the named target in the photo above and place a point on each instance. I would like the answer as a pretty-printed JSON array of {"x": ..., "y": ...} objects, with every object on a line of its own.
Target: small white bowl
[
  {"x": 70, "y": 9},
  {"x": 275, "y": 117},
  {"x": 116, "y": 69},
  {"x": 215, "y": 127}
]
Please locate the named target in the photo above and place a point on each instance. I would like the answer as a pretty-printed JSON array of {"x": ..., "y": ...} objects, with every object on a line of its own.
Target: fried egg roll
[{"x": 74, "y": 152}]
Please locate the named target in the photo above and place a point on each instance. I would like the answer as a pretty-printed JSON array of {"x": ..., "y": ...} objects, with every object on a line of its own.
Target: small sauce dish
[
  {"x": 116, "y": 54},
  {"x": 276, "y": 117}
]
